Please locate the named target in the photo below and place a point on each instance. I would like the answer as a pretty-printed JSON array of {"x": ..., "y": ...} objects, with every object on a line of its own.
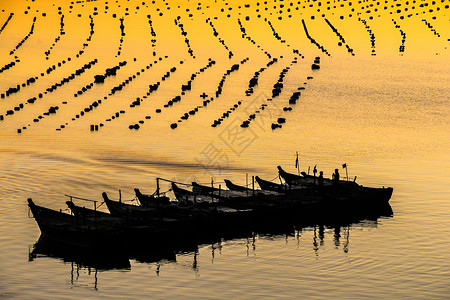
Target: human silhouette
[{"x": 336, "y": 177}]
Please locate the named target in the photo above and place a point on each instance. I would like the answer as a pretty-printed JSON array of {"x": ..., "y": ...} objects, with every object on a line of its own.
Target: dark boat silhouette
[{"x": 87, "y": 232}]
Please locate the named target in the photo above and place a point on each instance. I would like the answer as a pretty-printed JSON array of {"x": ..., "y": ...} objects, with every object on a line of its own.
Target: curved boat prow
[
  {"x": 71, "y": 205},
  {"x": 137, "y": 192},
  {"x": 30, "y": 202},
  {"x": 105, "y": 196}
]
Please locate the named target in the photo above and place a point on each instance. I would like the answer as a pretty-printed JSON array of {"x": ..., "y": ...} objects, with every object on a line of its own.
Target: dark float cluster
[
  {"x": 151, "y": 88},
  {"x": 433, "y": 30},
  {"x": 153, "y": 34},
  {"x": 10, "y": 65},
  {"x": 216, "y": 34},
  {"x": 278, "y": 37},
  {"x": 276, "y": 91},
  {"x": 52, "y": 89},
  {"x": 371, "y": 35},
  {"x": 57, "y": 39},
  {"x": 246, "y": 36},
  {"x": 6, "y": 22},
  {"x": 341, "y": 38},
  {"x": 101, "y": 78},
  {"x": 192, "y": 112},
  {"x": 184, "y": 33},
  {"x": 254, "y": 81},
  {"x": 25, "y": 38},
  {"x": 251, "y": 85},
  {"x": 313, "y": 41},
  {"x": 403, "y": 34},
  {"x": 122, "y": 34},
  {"x": 114, "y": 90}
]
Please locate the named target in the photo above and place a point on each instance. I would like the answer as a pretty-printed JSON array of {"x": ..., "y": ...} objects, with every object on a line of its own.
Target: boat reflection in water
[{"x": 165, "y": 249}]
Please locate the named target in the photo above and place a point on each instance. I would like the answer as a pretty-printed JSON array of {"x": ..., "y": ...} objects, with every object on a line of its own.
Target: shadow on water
[{"x": 164, "y": 248}]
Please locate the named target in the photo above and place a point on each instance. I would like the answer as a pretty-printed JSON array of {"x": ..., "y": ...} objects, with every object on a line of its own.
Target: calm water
[{"x": 386, "y": 116}]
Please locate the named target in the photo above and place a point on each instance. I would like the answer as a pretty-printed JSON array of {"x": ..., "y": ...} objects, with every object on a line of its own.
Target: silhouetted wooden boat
[
  {"x": 184, "y": 195},
  {"x": 270, "y": 186},
  {"x": 235, "y": 187},
  {"x": 151, "y": 200},
  {"x": 343, "y": 190},
  {"x": 309, "y": 180},
  {"x": 73, "y": 230},
  {"x": 129, "y": 211}
]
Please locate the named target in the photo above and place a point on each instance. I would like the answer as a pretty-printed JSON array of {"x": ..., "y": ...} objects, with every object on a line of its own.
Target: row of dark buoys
[
  {"x": 252, "y": 84},
  {"x": 57, "y": 39},
  {"x": 277, "y": 87},
  {"x": 292, "y": 101},
  {"x": 6, "y": 22},
  {"x": 341, "y": 38},
  {"x": 13, "y": 90},
  {"x": 153, "y": 34},
  {"x": 192, "y": 112},
  {"x": 10, "y": 65},
  {"x": 53, "y": 110},
  {"x": 278, "y": 37},
  {"x": 403, "y": 34},
  {"x": 233, "y": 68},
  {"x": 226, "y": 114},
  {"x": 29, "y": 81},
  {"x": 316, "y": 64},
  {"x": 433, "y": 30},
  {"x": 313, "y": 41},
  {"x": 187, "y": 87},
  {"x": 184, "y": 33},
  {"x": 101, "y": 78},
  {"x": 216, "y": 34},
  {"x": 246, "y": 36},
  {"x": 122, "y": 34},
  {"x": 152, "y": 88},
  {"x": 371, "y": 35},
  {"x": 254, "y": 80},
  {"x": 25, "y": 38},
  {"x": 112, "y": 92}
]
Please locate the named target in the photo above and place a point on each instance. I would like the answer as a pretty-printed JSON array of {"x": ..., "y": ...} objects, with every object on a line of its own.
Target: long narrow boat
[
  {"x": 133, "y": 213},
  {"x": 270, "y": 186},
  {"x": 184, "y": 195},
  {"x": 151, "y": 200},
  {"x": 306, "y": 180},
  {"x": 234, "y": 187},
  {"x": 82, "y": 212},
  {"x": 344, "y": 189},
  {"x": 72, "y": 230}
]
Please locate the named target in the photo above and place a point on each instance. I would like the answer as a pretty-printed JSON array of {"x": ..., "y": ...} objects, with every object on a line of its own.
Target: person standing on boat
[
  {"x": 320, "y": 180},
  {"x": 336, "y": 177}
]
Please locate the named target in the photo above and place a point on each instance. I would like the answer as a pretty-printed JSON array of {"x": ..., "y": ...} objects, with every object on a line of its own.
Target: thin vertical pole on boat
[
  {"x": 71, "y": 199},
  {"x": 346, "y": 171},
  {"x": 95, "y": 213},
  {"x": 157, "y": 186},
  {"x": 246, "y": 182},
  {"x": 120, "y": 196},
  {"x": 220, "y": 186},
  {"x": 297, "y": 164},
  {"x": 212, "y": 189},
  {"x": 253, "y": 185}
]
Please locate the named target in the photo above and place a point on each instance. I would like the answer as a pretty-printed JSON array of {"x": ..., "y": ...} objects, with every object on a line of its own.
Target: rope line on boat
[{"x": 78, "y": 198}]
